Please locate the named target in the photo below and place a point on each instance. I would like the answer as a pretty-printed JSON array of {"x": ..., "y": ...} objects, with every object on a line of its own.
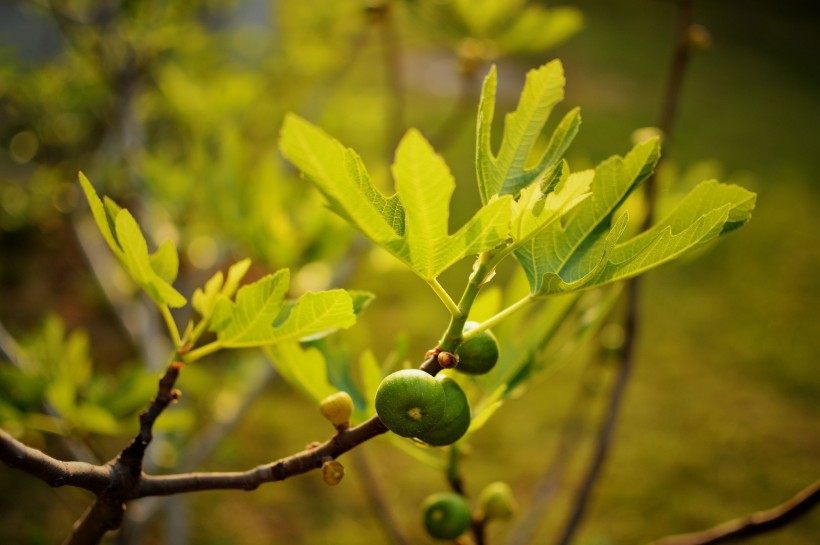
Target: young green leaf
[
  {"x": 534, "y": 211},
  {"x": 341, "y": 177},
  {"x": 507, "y": 173},
  {"x": 581, "y": 237},
  {"x": 204, "y": 300},
  {"x": 710, "y": 210},
  {"x": 165, "y": 262},
  {"x": 411, "y": 224},
  {"x": 260, "y": 316},
  {"x": 137, "y": 261},
  {"x": 316, "y": 315},
  {"x": 153, "y": 273},
  {"x": 105, "y": 223},
  {"x": 425, "y": 186},
  {"x": 305, "y": 369},
  {"x": 249, "y": 320}
]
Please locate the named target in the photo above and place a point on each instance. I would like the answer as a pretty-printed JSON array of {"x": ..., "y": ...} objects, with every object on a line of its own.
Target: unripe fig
[
  {"x": 496, "y": 501},
  {"x": 456, "y": 418},
  {"x": 337, "y": 408},
  {"x": 332, "y": 472},
  {"x": 410, "y": 402},
  {"x": 479, "y": 354},
  {"x": 446, "y": 515}
]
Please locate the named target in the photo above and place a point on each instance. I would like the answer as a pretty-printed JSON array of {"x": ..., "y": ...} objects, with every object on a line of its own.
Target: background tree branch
[{"x": 753, "y": 524}]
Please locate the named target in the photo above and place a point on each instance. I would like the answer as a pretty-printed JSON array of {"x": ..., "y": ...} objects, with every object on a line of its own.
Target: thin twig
[
  {"x": 550, "y": 483},
  {"x": 376, "y": 498},
  {"x": 301, "y": 462},
  {"x": 627, "y": 355},
  {"x": 607, "y": 428},
  {"x": 753, "y": 524},
  {"x": 50, "y": 470}
]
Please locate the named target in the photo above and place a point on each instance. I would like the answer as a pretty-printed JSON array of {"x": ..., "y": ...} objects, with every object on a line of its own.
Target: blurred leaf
[
  {"x": 133, "y": 391},
  {"x": 76, "y": 359},
  {"x": 487, "y": 409},
  {"x": 165, "y": 262},
  {"x": 95, "y": 419},
  {"x": 506, "y": 173},
  {"x": 482, "y": 17},
  {"x": 304, "y": 369},
  {"x": 62, "y": 395},
  {"x": 44, "y": 422},
  {"x": 204, "y": 301},
  {"x": 371, "y": 375},
  {"x": 176, "y": 420},
  {"x": 536, "y": 28},
  {"x": 487, "y": 304},
  {"x": 361, "y": 300}
]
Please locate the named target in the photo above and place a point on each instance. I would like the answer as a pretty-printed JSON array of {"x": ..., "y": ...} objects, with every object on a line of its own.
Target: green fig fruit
[
  {"x": 410, "y": 402},
  {"x": 479, "y": 354}
]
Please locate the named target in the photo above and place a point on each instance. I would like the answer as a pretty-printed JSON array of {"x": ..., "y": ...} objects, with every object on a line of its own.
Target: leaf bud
[
  {"x": 447, "y": 360},
  {"x": 332, "y": 472},
  {"x": 337, "y": 408},
  {"x": 496, "y": 501}
]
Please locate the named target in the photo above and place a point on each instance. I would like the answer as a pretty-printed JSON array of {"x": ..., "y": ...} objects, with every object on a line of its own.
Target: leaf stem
[
  {"x": 497, "y": 318},
  {"x": 202, "y": 351},
  {"x": 171, "y": 324},
  {"x": 444, "y": 297}
]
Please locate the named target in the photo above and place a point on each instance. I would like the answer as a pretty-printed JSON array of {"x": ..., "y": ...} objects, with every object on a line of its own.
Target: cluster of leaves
[
  {"x": 564, "y": 228},
  {"x": 56, "y": 368}
]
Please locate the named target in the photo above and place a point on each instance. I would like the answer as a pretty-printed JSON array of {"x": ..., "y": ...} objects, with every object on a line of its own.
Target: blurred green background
[{"x": 174, "y": 111}]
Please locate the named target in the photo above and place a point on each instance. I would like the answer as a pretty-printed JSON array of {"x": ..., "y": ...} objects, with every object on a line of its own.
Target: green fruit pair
[
  {"x": 446, "y": 515},
  {"x": 412, "y": 403}
]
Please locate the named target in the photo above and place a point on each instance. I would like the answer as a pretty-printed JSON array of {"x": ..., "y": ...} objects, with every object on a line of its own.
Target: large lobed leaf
[
  {"x": 507, "y": 172},
  {"x": 412, "y": 224},
  {"x": 584, "y": 250},
  {"x": 154, "y": 273}
]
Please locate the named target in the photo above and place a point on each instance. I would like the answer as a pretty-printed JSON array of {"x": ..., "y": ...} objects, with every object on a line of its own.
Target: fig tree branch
[
  {"x": 753, "y": 524},
  {"x": 53, "y": 472},
  {"x": 301, "y": 462}
]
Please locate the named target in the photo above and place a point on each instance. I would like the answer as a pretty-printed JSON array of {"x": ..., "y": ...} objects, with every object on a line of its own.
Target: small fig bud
[
  {"x": 337, "y": 408},
  {"x": 446, "y": 515},
  {"x": 496, "y": 501},
  {"x": 332, "y": 472},
  {"x": 447, "y": 360}
]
